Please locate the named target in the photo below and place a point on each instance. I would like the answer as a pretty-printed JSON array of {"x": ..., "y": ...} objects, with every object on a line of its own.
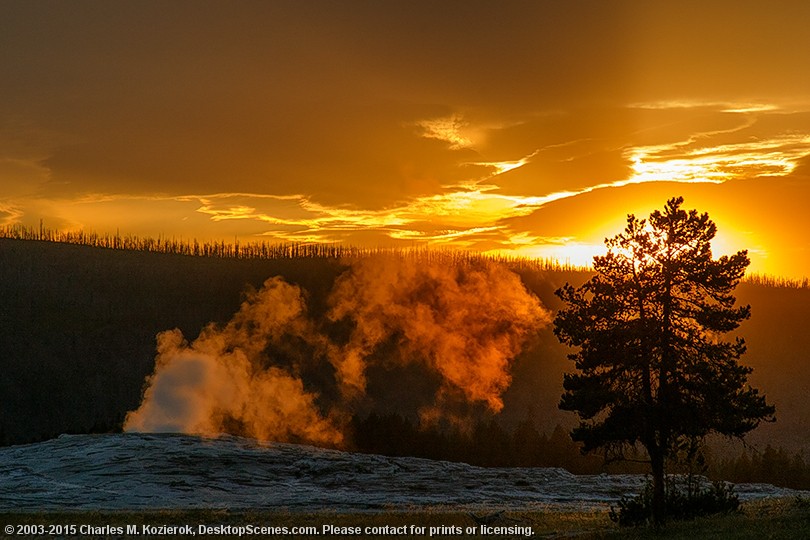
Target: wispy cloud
[
  {"x": 691, "y": 161},
  {"x": 724, "y": 106},
  {"x": 443, "y": 218},
  {"x": 453, "y": 129},
  {"x": 473, "y": 212},
  {"x": 9, "y": 215}
]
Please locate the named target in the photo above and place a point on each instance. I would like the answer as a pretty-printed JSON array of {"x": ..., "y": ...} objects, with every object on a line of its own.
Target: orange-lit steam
[
  {"x": 466, "y": 322},
  {"x": 217, "y": 382},
  {"x": 463, "y": 321}
]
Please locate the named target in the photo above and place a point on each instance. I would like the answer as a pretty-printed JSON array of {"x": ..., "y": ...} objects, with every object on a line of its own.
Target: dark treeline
[
  {"x": 78, "y": 325},
  {"x": 174, "y": 246},
  {"x": 300, "y": 250},
  {"x": 266, "y": 250},
  {"x": 77, "y": 341},
  {"x": 772, "y": 465},
  {"x": 777, "y": 282},
  {"x": 486, "y": 443}
]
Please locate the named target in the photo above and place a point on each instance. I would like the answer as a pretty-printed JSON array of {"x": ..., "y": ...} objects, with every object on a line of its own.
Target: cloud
[
  {"x": 363, "y": 123},
  {"x": 448, "y": 129},
  {"x": 9, "y": 215},
  {"x": 497, "y": 211}
]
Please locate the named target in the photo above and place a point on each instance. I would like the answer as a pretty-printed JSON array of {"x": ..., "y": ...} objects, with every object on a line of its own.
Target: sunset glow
[
  {"x": 534, "y": 136},
  {"x": 688, "y": 163}
]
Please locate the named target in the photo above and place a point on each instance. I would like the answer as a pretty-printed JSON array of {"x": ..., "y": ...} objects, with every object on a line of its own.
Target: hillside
[
  {"x": 78, "y": 327},
  {"x": 145, "y": 471}
]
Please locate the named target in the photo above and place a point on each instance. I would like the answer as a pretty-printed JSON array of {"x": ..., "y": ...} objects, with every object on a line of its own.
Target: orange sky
[{"x": 522, "y": 127}]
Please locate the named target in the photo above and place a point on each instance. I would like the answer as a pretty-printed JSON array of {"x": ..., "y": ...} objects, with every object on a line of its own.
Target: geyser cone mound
[{"x": 161, "y": 471}]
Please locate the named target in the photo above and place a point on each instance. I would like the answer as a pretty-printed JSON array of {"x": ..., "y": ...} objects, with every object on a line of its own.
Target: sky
[{"x": 523, "y": 128}]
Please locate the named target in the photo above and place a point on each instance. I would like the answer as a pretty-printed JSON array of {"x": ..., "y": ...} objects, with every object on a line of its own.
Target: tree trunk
[{"x": 659, "y": 491}]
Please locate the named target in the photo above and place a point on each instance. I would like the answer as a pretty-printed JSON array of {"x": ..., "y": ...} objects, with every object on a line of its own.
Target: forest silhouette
[{"x": 79, "y": 316}]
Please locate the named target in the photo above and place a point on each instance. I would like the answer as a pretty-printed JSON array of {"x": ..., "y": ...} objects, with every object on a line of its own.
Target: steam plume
[
  {"x": 466, "y": 322},
  {"x": 463, "y": 323},
  {"x": 217, "y": 382}
]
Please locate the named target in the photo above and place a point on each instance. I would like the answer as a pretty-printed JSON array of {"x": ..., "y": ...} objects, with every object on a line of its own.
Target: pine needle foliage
[{"x": 652, "y": 367}]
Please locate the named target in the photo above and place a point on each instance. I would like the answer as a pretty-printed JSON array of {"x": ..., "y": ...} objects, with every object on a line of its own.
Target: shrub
[{"x": 686, "y": 498}]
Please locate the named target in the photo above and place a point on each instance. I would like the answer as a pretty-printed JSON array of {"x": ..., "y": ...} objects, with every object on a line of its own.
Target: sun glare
[
  {"x": 482, "y": 213},
  {"x": 564, "y": 250}
]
